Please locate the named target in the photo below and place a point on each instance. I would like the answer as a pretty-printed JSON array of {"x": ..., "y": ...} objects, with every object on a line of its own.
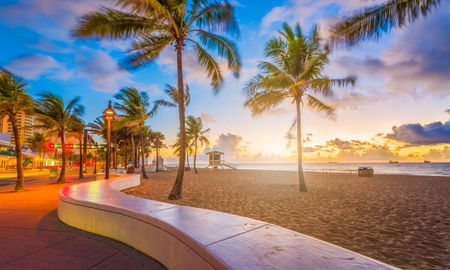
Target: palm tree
[
  {"x": 374, "y": 21},
  {"x": 37, "y": 140},
  {"x": 13, "y": 99},
  {"x": 188, "y": 147},
  {"x": 172, "y": 92},
  {"x": 134, "y": 107},
  {"x": 295, "y": 74},
  {"x": 77, "y": 126},
  {"x": 156, "y": 24},
  {"x": 157, "y": 144},
  {"x": 57, "y": 118},
  {"x": 196, "y": 135}
]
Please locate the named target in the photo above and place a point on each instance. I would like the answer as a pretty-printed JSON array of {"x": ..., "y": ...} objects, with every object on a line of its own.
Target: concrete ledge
[{"x": 182, "y": 237}]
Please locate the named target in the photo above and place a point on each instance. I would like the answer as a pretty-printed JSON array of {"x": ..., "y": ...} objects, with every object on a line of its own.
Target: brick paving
[{"x": 32, "y": 237}]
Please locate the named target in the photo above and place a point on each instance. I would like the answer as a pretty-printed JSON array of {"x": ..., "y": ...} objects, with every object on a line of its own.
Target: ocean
[{"x": 430, "y": 169}]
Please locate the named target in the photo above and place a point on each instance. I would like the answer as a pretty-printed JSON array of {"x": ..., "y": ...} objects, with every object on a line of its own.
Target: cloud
[
  {"x": 229, "y": 144},
  {"x": 418, "y": 134},
  {"x": 32, "y": 66},
  {"x": 354, "y": 150},
  {"x": 54, "y": 14},
  {"x": 305, "y": 12},
  {"x": 438, "y": 153},
  {"x": 414, "y": 68},
  {"x": 206, "y": 117},
  {"x": 104, "y": 71}
]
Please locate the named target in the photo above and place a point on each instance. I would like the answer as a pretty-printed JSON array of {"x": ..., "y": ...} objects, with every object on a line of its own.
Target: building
[{"x": 24, "y": 123}]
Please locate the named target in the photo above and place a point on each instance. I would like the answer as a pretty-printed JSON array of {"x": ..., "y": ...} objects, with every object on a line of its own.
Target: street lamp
[{"x": 108, "y": 115}]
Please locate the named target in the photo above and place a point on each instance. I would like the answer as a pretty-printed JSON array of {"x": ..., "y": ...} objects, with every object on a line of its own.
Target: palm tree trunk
[
  {"x": 176, "y": 192},
  {"x": 157, "y": 160},
  {"x": 80, "y": 173},
  {"x": 43, "y": 161},
  {"x": 144, "y": 174},
  {"x": 133, "y": 149},
  {"x": 301, "y": 177},
  {"x": 115, "y": 154},
  {"x": 126, "y": 156},
  {"x": 40, "y": 158},
  {"x": 62, "y": 176},
  {"x": 187, "y": 160},
  {"x": 195, "y": 158},
  {"x": 19, "y": 156},
  {"x": 85, "y": 150},
  {"x": 95, "y": 163}
]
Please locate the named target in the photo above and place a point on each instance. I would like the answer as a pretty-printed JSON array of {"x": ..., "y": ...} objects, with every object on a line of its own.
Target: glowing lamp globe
[{"x": 109, "y": 113}]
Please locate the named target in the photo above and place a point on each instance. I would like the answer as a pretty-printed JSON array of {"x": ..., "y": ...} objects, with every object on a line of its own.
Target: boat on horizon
[
  {"x": 426, "y": 161},
  {"x": 393, "y": 161}
]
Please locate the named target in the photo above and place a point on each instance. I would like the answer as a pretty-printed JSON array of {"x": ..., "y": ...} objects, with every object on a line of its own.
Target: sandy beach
[{"x": 400, "y": 220}]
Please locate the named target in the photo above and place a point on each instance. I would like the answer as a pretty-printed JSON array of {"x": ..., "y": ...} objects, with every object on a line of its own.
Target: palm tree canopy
[
  {"x": 54, "y": 116},
  {"x": 373, "y": 22},
  {"x": 133, "y": 105},
  {"x": 176, "y": 145},
  {"x": 37, "y": 140},
  {"x": 195, "y": 132},
  {"x": 172, "y": 92},
  {"x": 158, "y": 139},
  {"x": 296, "y": 71},
  {"x": 13, "y": 97},
  {"x": 155, "y": 24}
]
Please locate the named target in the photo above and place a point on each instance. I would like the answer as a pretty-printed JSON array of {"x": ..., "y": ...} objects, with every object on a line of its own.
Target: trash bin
[
  {"x": 130, "y": 169},
  {"x": 53, "y": 172},
  {"x": 365, "y": 172}
]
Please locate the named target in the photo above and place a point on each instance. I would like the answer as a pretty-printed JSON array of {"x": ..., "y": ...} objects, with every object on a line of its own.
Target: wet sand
[{"x": 397, "y": 219}]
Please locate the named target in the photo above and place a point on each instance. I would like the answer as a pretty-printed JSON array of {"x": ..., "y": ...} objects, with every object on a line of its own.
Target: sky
[{"x": 399, "y": 108}]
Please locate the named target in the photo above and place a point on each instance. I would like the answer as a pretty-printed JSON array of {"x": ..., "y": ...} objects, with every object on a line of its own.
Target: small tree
[
  {"x": 57, "y": 118},
  {"x": 38, "y": 141},
  {"x": 134, "y": 106},
  {"x": 157, "y": 143},
  {"x": 196, "y": 135}
]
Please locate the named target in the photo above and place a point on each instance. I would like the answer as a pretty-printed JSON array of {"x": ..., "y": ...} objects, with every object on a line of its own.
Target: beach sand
[{"x": 400, "y": 220}]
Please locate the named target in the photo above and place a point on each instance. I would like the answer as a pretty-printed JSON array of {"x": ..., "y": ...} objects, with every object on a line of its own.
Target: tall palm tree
[
  {"x": 157, "y": 143},
  {"x": 37, "y": 140},
  {"x": 156, "y": 24},
  {"x": 295, "y": 74},
  {"x": 134, "y": 106},
  {"x": 13, "y": 99},
  {"x": 374, "y": 21},
  {"x": 172, "y": 92},
  {"x": 56, "y": 117},
  {"x": 196, "y": 135}
]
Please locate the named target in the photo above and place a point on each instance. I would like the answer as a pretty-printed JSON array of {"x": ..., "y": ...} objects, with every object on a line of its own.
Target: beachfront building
[
  {"x": 7, "y": 152},
  {"x": 215, "y": 159},
  {"x": 24, "y": 123}
]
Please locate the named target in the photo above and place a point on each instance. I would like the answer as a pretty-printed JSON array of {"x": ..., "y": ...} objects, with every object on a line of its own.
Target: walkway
[{"x": 33, "y": 238}]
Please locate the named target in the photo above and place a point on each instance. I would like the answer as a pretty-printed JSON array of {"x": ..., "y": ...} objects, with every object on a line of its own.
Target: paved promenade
[{"x": 32, "y": 237}]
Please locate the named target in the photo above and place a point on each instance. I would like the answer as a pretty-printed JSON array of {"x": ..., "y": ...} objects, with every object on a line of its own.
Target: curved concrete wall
[{"x": 182, "y": 237}]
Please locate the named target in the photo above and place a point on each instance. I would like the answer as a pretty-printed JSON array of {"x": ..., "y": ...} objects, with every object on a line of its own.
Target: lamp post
[{"x": 108, "y": 115}]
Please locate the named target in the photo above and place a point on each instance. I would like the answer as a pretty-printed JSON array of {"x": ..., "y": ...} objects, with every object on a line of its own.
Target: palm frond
[
  {"x": 113, "y": 24},
  {"x": 265, "y": 101},
  {"x": 372, "y": 23},
  {"x": 210, "y": 65},
  {"x": 224, "y": 47},
  {"x": 319, "y": 107}
]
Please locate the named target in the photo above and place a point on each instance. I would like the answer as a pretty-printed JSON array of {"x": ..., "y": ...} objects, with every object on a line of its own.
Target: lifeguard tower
[{"x": 215, "y": 160}]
